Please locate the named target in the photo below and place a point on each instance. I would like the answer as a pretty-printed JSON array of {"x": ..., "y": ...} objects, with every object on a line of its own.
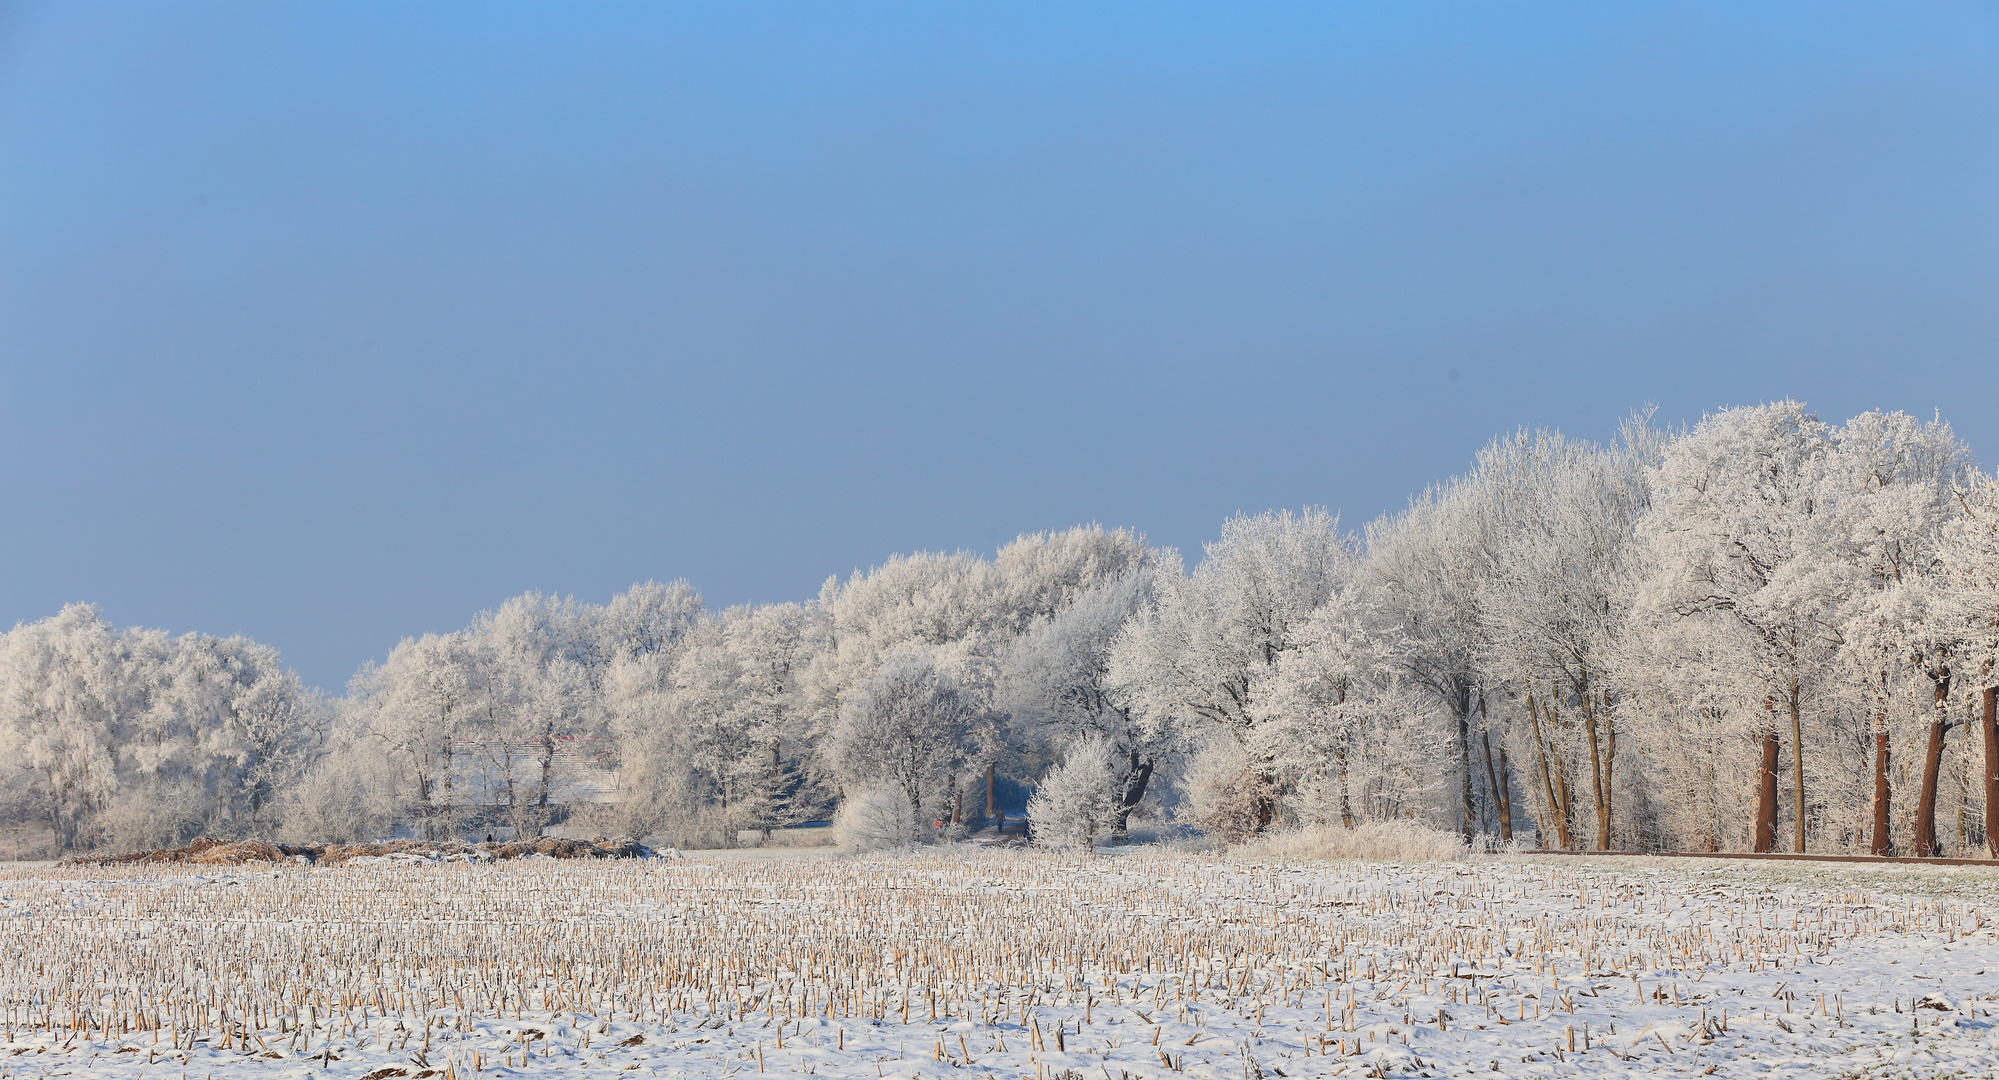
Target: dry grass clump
[{"x": 1395, "y": 841}]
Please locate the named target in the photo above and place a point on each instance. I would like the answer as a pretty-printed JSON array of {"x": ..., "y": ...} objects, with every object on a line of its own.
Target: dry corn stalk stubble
[{"x": 1006, "y": 959}]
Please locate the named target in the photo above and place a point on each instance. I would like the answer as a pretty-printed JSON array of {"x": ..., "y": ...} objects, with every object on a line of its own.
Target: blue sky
[{"x": 330, "y": 324}]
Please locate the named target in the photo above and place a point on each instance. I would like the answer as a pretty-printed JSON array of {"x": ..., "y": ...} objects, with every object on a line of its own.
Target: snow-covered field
[{"x": 1002, "y": 964}]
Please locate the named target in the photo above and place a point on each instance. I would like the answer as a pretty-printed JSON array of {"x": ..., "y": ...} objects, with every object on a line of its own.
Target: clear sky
[{"x": 334, "y": 323}]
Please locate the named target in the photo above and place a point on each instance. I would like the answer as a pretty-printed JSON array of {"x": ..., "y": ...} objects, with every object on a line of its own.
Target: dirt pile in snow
[
  {"x": 202, "y": 852},
  {"x": 561, "y": 847},
  {"x": 206, "y": 852}
]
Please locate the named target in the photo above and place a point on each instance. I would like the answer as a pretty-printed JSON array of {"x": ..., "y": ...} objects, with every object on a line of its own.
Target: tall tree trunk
[
  {"x": 1505, "y": 798},
  {"x": 1555, "y": 808},
  {"x": 1498, "y": 793},
  {"x": 1709, "y": 834},
  {"x": 444, "y": 821},
  {"x": 1599, "y": 772},
  {"x": 1988, "y": 720},
  {"x": 1883, "y": 843},
  {"x": 1468, "y": 820},
  {"x": 1135, "y": 783},
  {"x": 545, "y": 769},
  {"x": 1797, "y": 771},
  {"x": 992, "y": 809},
  {"x": 1568, "y": 793},
  {"x": 1609, "y": 774},
  {"x": 1766, "y": 783},
  {"x": 1346, "y": 787},
  {"x": 1926, "y": 803},
  {"x": 771, "y": 813}
]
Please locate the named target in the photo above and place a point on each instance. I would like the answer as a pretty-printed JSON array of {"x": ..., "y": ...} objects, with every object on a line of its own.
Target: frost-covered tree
[
  {"x": 251, "y": 729},
  {"x": 1206, "y": 656},
  {"x": 1553, "y": 592},
  {"x": 648, "y": 619},
  {"x": 1423, "y": 571},
  {"x": 412, "y": 706},
  {"x": 1075, "y": 802},
  {"x": 1054, "y": 680},
  {"x": 66, "y": 687},
  {"x": 908, "y": 725},
  {"x": 1890, "y": 491},
  {"x": 1966, "y": 591},
  {"x": 1040, "y": 574},
  {"x": 963, "y": 609},
  {"x": 645, "y": 631},
  {"x": 1733, "y": 542},
  {"x": 736, "y": 697},
  {"x": 538, "y": 664},
  {"x": 771, "y": 648},
  {"x": 1355, "y": 740}
]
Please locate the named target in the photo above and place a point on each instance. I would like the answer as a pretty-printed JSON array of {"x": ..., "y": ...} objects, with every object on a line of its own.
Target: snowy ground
[{"x": 1002, "y": 964}]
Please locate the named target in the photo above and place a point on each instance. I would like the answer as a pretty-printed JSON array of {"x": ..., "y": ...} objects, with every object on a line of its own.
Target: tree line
[{"x": 1759, "y": 632}]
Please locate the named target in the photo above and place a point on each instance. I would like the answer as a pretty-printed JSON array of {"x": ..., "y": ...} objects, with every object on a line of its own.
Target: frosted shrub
[
  {"x": 1073, "y": 804},
  {"x": 875, "y": 817},
  {"x": 1227, "y": 795}
]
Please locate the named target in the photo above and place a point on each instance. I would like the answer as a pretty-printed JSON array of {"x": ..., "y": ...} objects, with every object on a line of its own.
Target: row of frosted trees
[{"x": 1762, "y": 632}]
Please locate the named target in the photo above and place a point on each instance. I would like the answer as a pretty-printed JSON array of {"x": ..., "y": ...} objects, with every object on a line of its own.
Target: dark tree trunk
[
  {"x": 1492, "y": 782},
  {"x": 1340, "y": 761},
  {"x": 1883, "y": 842},
  {"x": 1766, "y": 784},
  {"x": 1926, "y": 802},
  {"x": 1468, "y": 821},
  {"x": 1988, "y": 720},
  {"x": 1264, "y": 802},
  {"x": 1557, "y": 807},
  {"x": 1496, "y": 780},
  {"x": 546, "y": 763},
  {"x": 443, "y": 830},
  {"x": 546, "y": 784},
  {"x": 1797, "y": 771},
  {"x": 1599, "y": 773},
  {"x": 992, "y": 811},
  {"x": 1346, "y": 788},
  {"x": 1609, "y": 773},
  {"x": 1134, "y": 791}
]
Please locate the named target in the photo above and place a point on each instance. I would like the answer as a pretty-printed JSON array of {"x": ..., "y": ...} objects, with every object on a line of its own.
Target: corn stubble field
[{"x": 999, "y": 964}]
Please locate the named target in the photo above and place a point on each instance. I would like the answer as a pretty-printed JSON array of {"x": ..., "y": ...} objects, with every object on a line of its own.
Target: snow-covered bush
[
  {"x": 874, "y": 817},
  {"x": 1073, "y": 804}
]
